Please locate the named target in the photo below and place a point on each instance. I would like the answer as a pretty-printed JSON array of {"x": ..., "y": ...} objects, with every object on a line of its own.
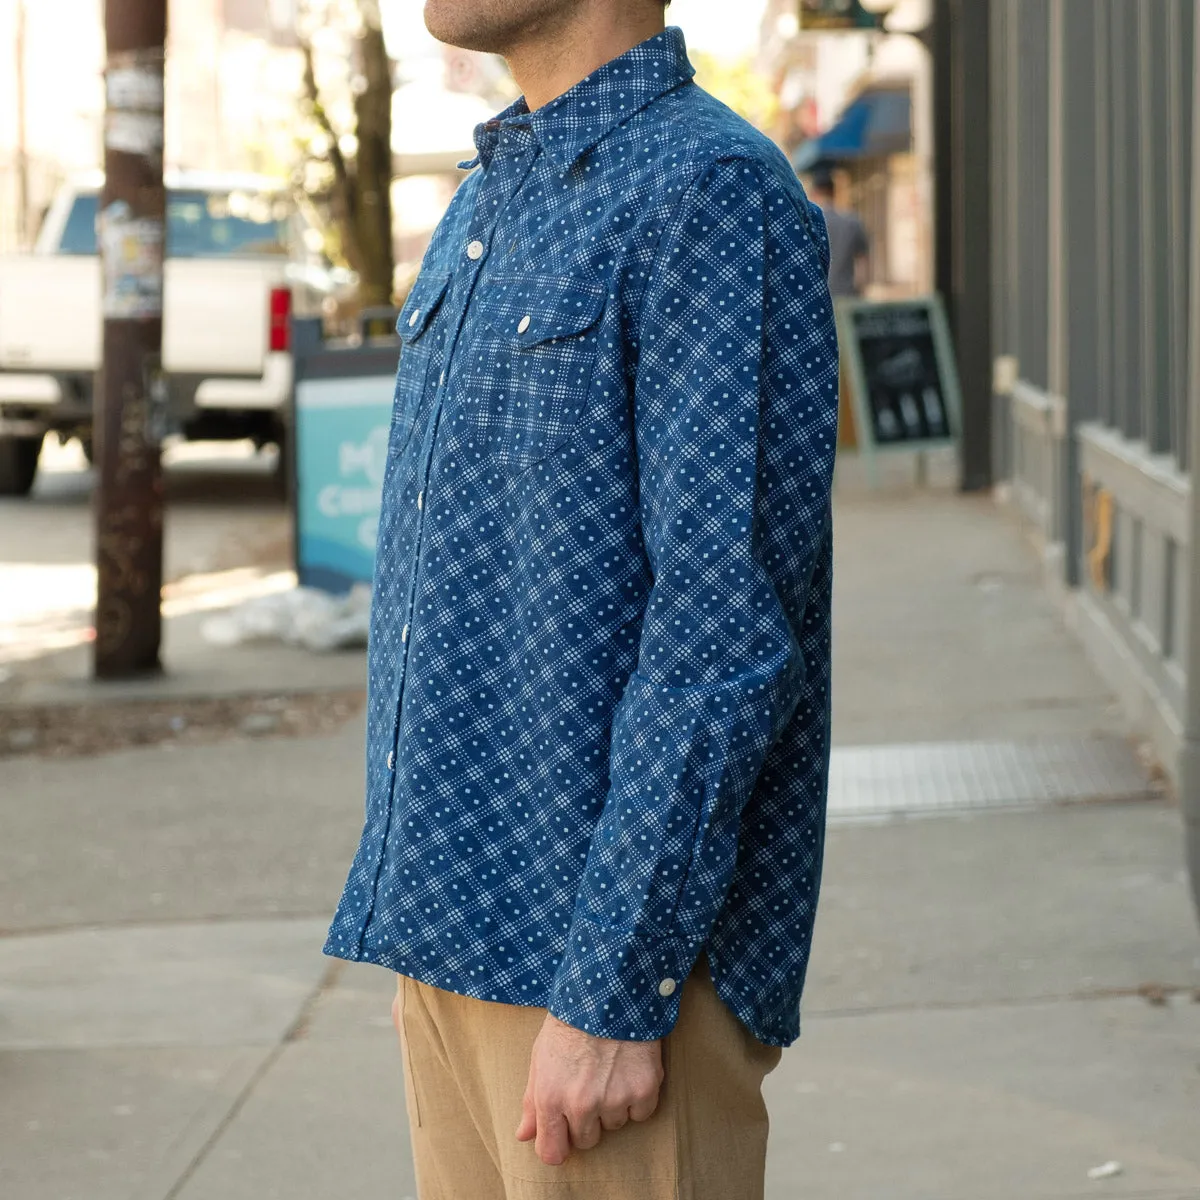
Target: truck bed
[{"x": 215, "y": 314}]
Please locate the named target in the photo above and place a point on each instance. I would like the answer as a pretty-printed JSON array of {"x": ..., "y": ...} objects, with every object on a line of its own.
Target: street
[{"x": 1004, "y": 990}]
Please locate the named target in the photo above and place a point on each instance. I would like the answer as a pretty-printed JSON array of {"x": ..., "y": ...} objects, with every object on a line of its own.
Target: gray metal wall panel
[
  {"x": 1180, "y": 67},
  {"x": 1102, "y": 147},
  {"x": 1081, "y": 229},
  {"x": 1154, "y": 152},
  {"x": 1001, "y": 171},
  {"x": 1033, "y": 164},
  {"x": 1126, "y": 218}
]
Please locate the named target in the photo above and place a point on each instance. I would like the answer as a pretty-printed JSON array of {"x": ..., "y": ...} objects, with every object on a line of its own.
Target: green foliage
[{"x": 737, "y": 83}]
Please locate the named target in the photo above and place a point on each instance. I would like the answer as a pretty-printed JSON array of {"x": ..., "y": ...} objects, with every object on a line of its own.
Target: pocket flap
[
  {"x": 422, "y": 303},
  {"x": 530, "y": 310}
]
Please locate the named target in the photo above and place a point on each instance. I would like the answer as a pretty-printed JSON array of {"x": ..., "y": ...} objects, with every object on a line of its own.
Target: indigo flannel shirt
[{"x": 598, "y": 709}]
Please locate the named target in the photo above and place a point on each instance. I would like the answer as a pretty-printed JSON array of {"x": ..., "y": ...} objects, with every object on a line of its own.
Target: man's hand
[{"x": 579, "y": 1085}]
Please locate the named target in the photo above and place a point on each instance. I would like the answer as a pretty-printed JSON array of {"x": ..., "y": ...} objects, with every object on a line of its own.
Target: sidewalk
[
  {"x": 1001, "y": 994},
  {"x": 227, "y": 541}
]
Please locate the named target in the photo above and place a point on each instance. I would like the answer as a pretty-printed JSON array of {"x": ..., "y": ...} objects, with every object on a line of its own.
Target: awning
[{"x": 878, "y": 123}]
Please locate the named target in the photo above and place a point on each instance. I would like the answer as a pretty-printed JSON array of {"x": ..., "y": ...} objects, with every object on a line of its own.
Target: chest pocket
[
  {"x": 420, "y": 341},
  {"x": 532, "y": 365}
]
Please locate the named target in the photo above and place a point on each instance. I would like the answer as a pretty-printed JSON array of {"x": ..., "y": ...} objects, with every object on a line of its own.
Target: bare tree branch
[{"x": 336, "y": 158}]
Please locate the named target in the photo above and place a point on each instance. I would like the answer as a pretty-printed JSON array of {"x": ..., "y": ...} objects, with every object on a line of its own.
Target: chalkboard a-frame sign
[{"x": 903, "y": 377}]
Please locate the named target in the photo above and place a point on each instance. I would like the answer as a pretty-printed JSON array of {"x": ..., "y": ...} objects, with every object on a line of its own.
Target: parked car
[{"x": 239, "y": 260}]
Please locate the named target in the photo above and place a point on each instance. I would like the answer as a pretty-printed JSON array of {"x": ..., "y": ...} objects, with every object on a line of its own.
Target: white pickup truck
[{"x": 239, "y": 260}]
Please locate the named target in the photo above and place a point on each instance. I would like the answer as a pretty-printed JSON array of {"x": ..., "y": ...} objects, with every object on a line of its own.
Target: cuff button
[{"x": 667, "y": 987}]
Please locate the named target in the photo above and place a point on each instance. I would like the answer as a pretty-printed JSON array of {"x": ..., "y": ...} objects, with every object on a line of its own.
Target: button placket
[{"x": 475, "y": 251}]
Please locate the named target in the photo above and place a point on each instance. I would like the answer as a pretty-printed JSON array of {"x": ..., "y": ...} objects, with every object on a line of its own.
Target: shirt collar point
[{"x": 665, "y": 68}]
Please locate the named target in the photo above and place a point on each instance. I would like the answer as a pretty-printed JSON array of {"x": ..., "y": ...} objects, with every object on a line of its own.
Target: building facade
[{"x": 1095, "y": 329}]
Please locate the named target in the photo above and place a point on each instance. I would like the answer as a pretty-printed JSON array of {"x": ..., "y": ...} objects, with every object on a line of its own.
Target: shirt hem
[{"x": 389, "y": 960}]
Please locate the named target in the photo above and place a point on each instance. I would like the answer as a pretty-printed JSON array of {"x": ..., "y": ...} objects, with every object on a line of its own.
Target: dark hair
[{"x": 822, "y": 181}]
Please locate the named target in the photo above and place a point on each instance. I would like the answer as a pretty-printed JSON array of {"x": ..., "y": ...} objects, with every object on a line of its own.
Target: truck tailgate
[
  {"x": 49, "y": 313},
  {"x": 217, "y": 317},
  {"x": 216, "y": 314}
]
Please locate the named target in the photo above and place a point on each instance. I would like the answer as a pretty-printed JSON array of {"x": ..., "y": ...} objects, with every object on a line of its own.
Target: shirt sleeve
[{"x": 735, "y": 402}]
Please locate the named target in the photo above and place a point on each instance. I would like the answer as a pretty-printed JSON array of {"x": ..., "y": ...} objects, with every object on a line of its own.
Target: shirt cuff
[{"x": 622, "y": 983}]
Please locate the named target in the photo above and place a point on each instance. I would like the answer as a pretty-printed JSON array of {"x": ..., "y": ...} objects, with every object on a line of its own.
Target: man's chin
[{"x": 453, "y": 23}]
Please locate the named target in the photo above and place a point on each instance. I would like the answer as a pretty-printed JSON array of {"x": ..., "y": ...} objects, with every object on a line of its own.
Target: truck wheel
[
  {"x": 18, "y": 464},
  {"x": 284, "y": 468}
]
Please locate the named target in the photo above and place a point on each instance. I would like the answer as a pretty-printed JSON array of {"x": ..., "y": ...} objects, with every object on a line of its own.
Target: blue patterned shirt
[{"x": 598, "y": 706}]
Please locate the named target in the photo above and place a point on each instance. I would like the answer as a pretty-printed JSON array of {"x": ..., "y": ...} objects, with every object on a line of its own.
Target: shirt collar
[{"x": 578, "y": 120}]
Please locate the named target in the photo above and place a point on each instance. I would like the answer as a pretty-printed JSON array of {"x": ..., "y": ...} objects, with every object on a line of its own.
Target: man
[
  {"x": 848, "y": 243},
  {"x": 598, "y": 715}
]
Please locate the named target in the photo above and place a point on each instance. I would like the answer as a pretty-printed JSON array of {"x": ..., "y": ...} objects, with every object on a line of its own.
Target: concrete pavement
[
  {"x": 227, "y": 540},
  {"x": 999, "y": 1001}
]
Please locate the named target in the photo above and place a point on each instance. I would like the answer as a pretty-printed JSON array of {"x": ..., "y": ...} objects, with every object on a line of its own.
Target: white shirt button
[
  {"x": 475, "y": 250},
  {"x": 667, "y": 987},
  {"x": 421, "y": 498},
  {"x": 524, "y": 325},
  {"x": 404, "y": 632},
  {"x": 414, "y": 318},
  {"x": 391, "y": 760},
  {"x": 441, "y": 379}
]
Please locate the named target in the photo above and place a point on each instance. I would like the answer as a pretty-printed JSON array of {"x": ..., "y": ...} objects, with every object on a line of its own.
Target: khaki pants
[{"x": 466, "y": 1062}]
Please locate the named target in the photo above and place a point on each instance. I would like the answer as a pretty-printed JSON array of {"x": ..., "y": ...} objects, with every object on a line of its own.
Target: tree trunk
[
  {"x": 360, "y": 198},
  {"x": 373, "y": 163}
]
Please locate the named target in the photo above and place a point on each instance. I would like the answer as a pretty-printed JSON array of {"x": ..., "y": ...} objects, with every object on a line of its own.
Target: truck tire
[
  {"x": 18, "y": 464},
  {"x": 285, "y": 468}
]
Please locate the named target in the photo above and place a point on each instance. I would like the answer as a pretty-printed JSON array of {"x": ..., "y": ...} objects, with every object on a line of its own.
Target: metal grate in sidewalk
[{"x": 924, "y": 778}]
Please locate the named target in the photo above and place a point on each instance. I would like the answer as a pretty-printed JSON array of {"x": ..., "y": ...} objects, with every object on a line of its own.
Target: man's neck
[{"x": 554, "y": 57}]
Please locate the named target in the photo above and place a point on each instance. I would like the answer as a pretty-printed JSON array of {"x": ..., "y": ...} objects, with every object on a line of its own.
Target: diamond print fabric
[{"x": 608, "y": 535}]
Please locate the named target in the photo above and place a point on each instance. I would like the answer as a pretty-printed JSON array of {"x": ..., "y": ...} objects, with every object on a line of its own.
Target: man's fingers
[
  {"x": 643, "y": 1110},
  {"x": 614, "y": 1118},
  {"x": 527, "y": 1128},
  {"x": 585, "y": 1130},
  {"x": 553, "y": 1137}
]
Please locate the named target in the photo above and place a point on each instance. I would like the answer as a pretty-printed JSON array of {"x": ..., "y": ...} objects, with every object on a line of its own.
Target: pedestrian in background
[
  {"x": 849, "y": 245},
  {"x": 598, "y": 716}
]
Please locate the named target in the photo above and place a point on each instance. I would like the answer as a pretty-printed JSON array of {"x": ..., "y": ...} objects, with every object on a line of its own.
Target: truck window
[
  {"x": 79, "y": 233},
  {"x": 222, "y": 225},
  {"x": 199, "y": 225}
]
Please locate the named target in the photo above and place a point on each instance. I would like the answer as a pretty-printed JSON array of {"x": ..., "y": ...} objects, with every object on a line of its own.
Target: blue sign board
[{"x": 341, "y": 450}]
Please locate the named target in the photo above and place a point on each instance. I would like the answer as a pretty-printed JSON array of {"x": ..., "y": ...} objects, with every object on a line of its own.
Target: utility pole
[
  {"x": 130, "y": 393},
  {"x": 962, "y": 196}
]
